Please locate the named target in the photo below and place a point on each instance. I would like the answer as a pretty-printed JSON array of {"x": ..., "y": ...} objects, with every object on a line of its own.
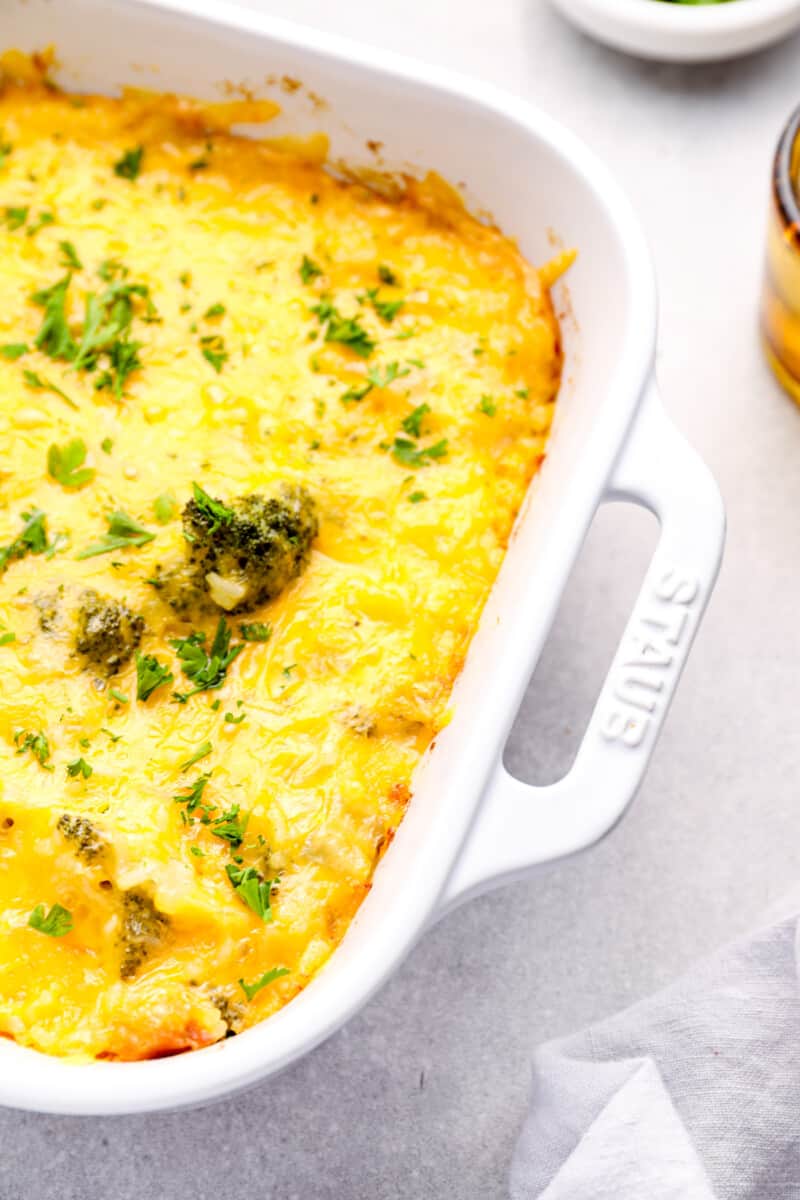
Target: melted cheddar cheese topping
[{"x": 175, "y": 864}]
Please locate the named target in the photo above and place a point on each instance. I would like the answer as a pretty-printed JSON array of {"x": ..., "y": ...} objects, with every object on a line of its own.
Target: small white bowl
[{"x": 683, "y": 32}]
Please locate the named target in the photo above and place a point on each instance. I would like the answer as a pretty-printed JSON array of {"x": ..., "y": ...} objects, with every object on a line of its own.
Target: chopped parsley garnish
[
  {"x": 206, "y": 668},
  {"x": 523, "y": 393},
  {"x": 213, "y": 348},
  {"x": 106, "y": 445},
  {"x": 106, "y": 328},
  {"x": 36, "y": 743},
  {"x": 123, "y": 360},
  {"x": 230, "y": 719},
  {"x": 38, "y": 384},
  {"x": 123, "y": 532},
  {"x": 197, "y": 852},
  {"x": 252, "y": 989},
  {"x": 5, "y": 150},
  {"x": 55, "y": 923},
  {"x": 70, "y": 258},
  {"x": 165, "y": 507},
  {"x": 79, "y": 766},
  {"x": 252, "y": 889},
  {"x": 192, "y": 798},
  {"x": 408, "y": 454},
  {"x": 65, "y": 464},
  {"x": 129, "y": 166},
  {"x": 416, "y": 497},
  {"x": 216, "y": 310},
  {"x": 309, "y": 269},
  {"x": 15, "y": 218},
  {"x": 347, "y": 331},
  {"x": 110, "y": 269},
  {"x": 201, "y": 752},
  {"x": 412, "y": 424},
  {"x": 231, "y": 827},
  {"x": 119, "y": 696},
  {"x": 488, "y": 406},
  {"x": 32, "y": 539},
  {"x": 215, "y": 511},
  {"x": 255, "y": 631},
  {"x": 13, "y": 350},
  {"x": 107, "y": 317},
  {"x": 7, "y": 638},
  {"x": 54, "y": 337},
  {"x": 387, "y": 276},
  {"x": 387, "y": 310},
  {"x": 44, "y": 218},
  {"x": 150, "y": 674},
  {"x": 353, "y": 395}
]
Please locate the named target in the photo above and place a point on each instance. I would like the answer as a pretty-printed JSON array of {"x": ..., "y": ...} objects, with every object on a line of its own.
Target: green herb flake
[
  {"x": 70, "y": 258},
  {"x": 201, "y": 752},
  {"x": 309, "y": 270},
  {"x": 36, "y": 743},
  {"x": 38, "y": 384},
  {"x": 230, "y": 719},
  {"x": 119, "y": 696},
  {"x": 488, "y": 406},
  {"x": 106, "y": 445},
  {"x": 252, "y": 989},
  {"x": 15, "y": 218},
  {"x": 213, "y": 350},
  {"x": 255, "y": 631},
  {"x": 416, "y": 497},
  {"x": 412, "y": 424},
  {"x": 13, "y": 350},
  {"x": 252, "y": 889},
  {"x": 129, "y": 166},
  {"x": 193, "y": 796},
  {"x": 165, "y": 507},
  {"x": 150, "y": 674},
  {"x": 387, "y": 276},
  {"x": 215, "y": 512},
  {"x": 55, "y": 923},
  {"x": 197, "y": 852},
  {"x": 44, "y": 218},
  {"x": 65, "y": 464},
  {"x": 206, "y": 668},
  {"x": 123, "y": 532},
  {"x": 231, "y": 827},
  {"x": 32, "y": 539},
  {"x": 216, "y": 310},
  {"x": 79, "y": 767},
  {"x": 408, "y": 454},
  {"x": 54, "y": 337},
  {"x": 347, "y": 331},
  {"x": 7, "y": 638}
]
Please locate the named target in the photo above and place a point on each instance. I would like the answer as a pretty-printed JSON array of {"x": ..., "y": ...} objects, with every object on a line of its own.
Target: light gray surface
[{"x": 424, "y": 1093}]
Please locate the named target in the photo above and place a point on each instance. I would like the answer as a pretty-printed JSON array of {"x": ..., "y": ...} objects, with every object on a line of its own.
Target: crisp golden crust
[{"x": 331, "y": 315}]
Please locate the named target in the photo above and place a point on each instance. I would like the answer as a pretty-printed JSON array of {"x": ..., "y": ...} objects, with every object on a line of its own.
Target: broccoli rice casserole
[{"x": 266, "y": 431}]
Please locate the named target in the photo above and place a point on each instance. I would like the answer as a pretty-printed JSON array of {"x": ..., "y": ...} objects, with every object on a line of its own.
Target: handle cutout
[{"x": 598, "y": 599}]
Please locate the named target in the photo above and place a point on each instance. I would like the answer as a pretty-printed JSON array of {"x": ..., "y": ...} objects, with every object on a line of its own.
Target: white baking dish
[{"x": 470, "y": 824}]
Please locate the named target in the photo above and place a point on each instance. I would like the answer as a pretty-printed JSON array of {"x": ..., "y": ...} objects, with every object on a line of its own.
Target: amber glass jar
[{"x": 780, "y": 301}]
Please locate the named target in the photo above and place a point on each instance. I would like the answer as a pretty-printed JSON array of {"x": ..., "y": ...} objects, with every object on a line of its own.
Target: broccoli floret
[
  {"x": 143, "y": 930},
  {"x": 89, "y": 844},
  {"x": 230, "y": 1010},
  {"x": 248, "y": 552},
  {"x": 108, "y": 632}
]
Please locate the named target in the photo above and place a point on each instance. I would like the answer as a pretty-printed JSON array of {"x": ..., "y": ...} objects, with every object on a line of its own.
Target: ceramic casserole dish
[{"x": 470, "y": 824}]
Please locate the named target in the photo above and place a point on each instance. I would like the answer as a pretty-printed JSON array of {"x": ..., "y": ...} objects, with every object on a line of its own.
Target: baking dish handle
[{"x": 519, "y": 826}]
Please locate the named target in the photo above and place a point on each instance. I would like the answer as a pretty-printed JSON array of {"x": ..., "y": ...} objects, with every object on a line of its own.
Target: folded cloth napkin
[{"x": 694, "y": 1093}]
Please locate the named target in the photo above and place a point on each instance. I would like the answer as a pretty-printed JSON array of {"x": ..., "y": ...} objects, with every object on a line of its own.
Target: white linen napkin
[{"x": 693, "y": 1094}]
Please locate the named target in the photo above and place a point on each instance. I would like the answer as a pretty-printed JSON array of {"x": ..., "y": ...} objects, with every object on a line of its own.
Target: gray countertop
[{"x": 423, "y": 1093}]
